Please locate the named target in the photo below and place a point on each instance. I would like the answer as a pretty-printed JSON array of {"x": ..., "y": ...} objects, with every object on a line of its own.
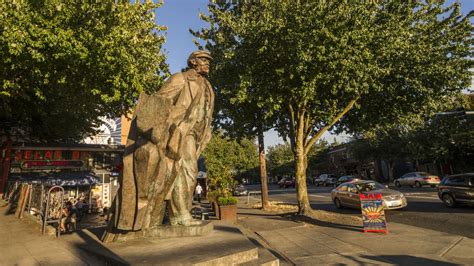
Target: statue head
[{"x": 200, "y": 60}]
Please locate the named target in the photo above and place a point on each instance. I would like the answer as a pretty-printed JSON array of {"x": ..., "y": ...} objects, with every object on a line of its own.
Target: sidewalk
[
  {"x": 314, "y": 243},
  {"x": 293, "y": 242},
  {"x": 21, "y": 243}
]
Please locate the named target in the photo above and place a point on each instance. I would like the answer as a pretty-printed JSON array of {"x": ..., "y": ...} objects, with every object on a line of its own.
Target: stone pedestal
[{"x": 164, "y": 231}]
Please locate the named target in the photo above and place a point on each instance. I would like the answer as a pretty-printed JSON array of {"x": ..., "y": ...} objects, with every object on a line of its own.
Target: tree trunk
[
  {"x": 390, "y": 170},
  {"x": 5, "y": 167},
  {"x": 301, "y": 189},
  {"x": 263, "y": 168},
  {"x": 301, "y": 162}
]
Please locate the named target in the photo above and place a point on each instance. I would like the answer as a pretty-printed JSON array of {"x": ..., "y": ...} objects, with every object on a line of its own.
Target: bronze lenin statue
[{"x": 169, "y": 130}]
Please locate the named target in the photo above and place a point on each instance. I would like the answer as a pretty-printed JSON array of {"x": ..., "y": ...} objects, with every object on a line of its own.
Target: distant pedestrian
[{"x": 198, "y": 192}]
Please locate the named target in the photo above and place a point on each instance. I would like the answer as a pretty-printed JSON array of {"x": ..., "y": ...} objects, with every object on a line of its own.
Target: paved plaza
[{"x": 273, "y": 236}]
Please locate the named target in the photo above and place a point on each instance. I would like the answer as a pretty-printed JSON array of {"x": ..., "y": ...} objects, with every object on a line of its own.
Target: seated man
[
  {"x": 69, "y": 217},
  {"x": 80, "y": 209}
]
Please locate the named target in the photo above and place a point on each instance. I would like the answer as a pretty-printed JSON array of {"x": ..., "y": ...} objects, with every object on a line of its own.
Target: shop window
[{"x": 48, "y": 155}]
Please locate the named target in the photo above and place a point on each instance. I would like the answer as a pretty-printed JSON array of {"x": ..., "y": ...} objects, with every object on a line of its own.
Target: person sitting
[
  {"x": 69, "y": 219},
  {"x": 80, "y": 209}
]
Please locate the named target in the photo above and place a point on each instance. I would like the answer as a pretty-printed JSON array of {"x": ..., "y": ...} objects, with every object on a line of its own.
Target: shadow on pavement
[
  {"x": 227, "y": 229},
  {"x": 310, "y": 220},
  {"x": 407, "y": 260},
  {"x": 265, "y": 214},
  {"x": 436, "y": 207},
  {"x": 94, "y": 247},
  {"x": 97, "y": 231}
]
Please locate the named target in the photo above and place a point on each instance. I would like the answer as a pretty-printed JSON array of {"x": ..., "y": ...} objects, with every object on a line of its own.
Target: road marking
[
  {"x": 451, "y": 246},
  {"x": 318, "y": 196},
  {"x": 415, "y": 196},
  {"x": 417, "y": 193}
]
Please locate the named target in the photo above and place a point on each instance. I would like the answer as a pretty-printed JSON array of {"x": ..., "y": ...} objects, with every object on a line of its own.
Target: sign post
[{"x": 373, "y": 215}]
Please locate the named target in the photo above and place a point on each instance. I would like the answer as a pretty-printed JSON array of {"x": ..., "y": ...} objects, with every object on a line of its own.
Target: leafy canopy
[
  {"x": 66, "y": 63},
  {"x": 315, "y": 65},
  {"x": 226, "y": 160},
  {"x": 392, "y": 59}
]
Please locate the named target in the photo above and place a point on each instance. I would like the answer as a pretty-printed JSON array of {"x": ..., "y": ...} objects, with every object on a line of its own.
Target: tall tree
[
  {"x": 321, "y": 65},
  {"x": 229, "y": 159},
  {"x": 281, "y": 161},
  {"x": 445, "y": 137},
  {"x": 239, "y": 116},
  {"x": 66, "y": 63}
]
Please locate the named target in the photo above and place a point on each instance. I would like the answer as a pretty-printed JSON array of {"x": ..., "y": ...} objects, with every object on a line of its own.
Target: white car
[{"x": 417, "y": 179}]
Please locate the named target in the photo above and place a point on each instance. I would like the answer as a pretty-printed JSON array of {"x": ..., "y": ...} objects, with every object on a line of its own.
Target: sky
[{"x": 181, "y": 15}]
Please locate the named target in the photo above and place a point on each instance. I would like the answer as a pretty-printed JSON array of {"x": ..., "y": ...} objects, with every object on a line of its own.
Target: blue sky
[{"x": 181, "y": 15}]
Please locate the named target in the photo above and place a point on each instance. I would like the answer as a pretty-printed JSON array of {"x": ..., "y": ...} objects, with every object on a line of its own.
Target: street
[{"x": 424, "y": 208}]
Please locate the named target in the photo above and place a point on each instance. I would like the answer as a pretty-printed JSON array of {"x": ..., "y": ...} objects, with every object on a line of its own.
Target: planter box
[
  {"x": 215, "y": 209},
  {"x": 228, "y": 213}
]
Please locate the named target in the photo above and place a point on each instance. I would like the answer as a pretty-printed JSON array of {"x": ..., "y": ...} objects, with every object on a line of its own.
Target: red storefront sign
[
  {"x": 48, "y": 155},
  {"x": 62, "y": 164}
]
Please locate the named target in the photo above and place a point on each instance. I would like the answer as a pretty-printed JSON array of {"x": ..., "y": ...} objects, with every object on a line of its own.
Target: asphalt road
[{"x": 424, "y": 208}]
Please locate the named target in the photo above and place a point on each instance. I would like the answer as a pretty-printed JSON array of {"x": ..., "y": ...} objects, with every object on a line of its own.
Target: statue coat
[{"x": 159, "y": 127}]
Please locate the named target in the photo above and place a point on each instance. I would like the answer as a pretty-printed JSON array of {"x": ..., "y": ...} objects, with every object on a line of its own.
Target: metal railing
[
  {"x": 256, "y": 192},
  {"x": 53, "y": 211}
]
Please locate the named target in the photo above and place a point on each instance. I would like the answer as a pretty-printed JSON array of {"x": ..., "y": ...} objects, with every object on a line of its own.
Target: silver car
[
  {"x": 348, "y": 194},
  {"x": 417, "y": 179}
]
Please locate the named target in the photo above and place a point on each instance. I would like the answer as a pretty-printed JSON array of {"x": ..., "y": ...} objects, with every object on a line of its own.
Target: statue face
[{"x": 202, "y": 65}]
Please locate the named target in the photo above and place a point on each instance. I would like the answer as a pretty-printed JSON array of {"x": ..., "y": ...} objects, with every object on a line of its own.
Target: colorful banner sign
[
  {"x": 373, "y": 215},
  {"x": 50, "y": 165}
]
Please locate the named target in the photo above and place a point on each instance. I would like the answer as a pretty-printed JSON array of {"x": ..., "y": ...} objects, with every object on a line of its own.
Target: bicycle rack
[{"x": 57, "y": 205}]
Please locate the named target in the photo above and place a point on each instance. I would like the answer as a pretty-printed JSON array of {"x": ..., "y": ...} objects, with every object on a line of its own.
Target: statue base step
[
  {"x": 164, "y": 231},
  {"x": 224, "y": 245}
]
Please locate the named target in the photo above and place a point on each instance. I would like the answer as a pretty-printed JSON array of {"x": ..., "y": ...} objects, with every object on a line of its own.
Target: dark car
[
  {"x": 240, "y": 190},
  {"x": 344, "y": 179},
  {"x": 286, "y": 182},
  {"x": 325, "y": 180},
  {"x": 455, "y": 189}
]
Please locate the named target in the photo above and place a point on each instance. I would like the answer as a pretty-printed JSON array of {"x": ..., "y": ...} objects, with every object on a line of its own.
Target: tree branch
[
  {"x": 292, "y": 128},
  {"x": 327, "y": 127},
  {"x": 307, "y": 129}
]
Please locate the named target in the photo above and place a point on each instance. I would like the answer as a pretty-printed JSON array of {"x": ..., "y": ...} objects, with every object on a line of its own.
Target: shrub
[
  {"x": 227, "y": 200},
  {"x": 212, "y": 196}
]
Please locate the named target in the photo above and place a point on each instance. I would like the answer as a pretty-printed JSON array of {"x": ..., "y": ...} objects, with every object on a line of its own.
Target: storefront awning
[{"x": 73, "y": 178}]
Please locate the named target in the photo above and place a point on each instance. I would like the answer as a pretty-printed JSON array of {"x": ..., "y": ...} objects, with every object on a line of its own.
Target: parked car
[
  {"x": 240, "y": 190},
  {"x": 348, "y": 194},
  {"x": 417, "y": 179},
  {"x": 344, "y": 179},
  {"x": 286, "y": 182},
  {"x": 455, "y": 189},
  {"x": 325, "y": 180}
]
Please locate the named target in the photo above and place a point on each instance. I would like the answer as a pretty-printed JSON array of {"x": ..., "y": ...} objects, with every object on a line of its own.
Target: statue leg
[
  {"x": 146, "y": 160},
  {"x": 183, "y": 189},
  {"x": 160, "y": 189}
]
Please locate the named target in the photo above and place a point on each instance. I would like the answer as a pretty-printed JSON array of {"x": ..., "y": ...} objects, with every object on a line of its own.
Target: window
[
  {"x": 456, "y": 181},
  {"x": 369, "y": 186},
  {"x": 342, "y": 188},
  {"x": 472, "y": 181},
  {"x": 352, "y": 189}
]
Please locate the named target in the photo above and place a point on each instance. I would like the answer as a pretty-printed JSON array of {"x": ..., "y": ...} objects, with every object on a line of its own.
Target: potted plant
[
  {"x": 212, "y": 198},
  {"x": 227, "y": 208}
]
